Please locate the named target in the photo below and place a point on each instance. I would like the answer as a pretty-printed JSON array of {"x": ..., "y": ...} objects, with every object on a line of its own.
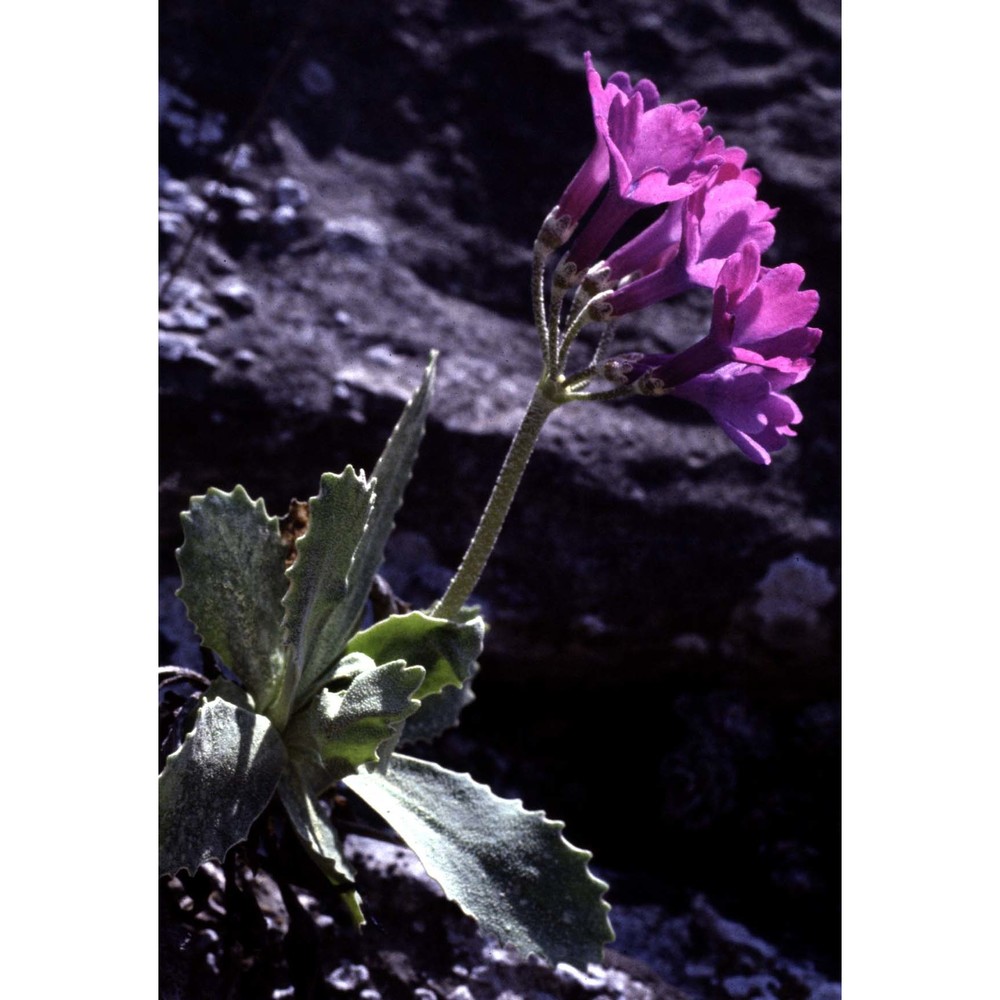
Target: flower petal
[
  {"x": 775, "y": 305},
  {"x": 743, "y": 402}
]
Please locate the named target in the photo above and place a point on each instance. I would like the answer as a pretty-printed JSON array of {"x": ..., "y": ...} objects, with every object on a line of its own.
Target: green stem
[
  {"x": 578, "y": 321},
  {"x": 464, "y": 582},
  {"x": 571, "y": 383},
  {"x": 604, "y": 344},
  {"x": 594, "y": 397},
  {"x": 559, "y": 289},
  {"x": 538, "y": 259}
]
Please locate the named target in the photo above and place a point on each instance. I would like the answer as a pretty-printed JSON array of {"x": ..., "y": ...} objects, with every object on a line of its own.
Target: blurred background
[{"x": 344, "y": 187}]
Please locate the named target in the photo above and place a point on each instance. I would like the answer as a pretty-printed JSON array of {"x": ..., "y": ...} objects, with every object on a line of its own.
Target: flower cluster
[{"x": 710, "y": 233}]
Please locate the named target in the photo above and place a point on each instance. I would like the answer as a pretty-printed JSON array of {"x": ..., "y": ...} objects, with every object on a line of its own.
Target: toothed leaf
[
  {"x": 319, "y": 587},
  {"x": 391, "y": 475},
  {"x": 359, "y": 725},
  {"x": 319, "y": 839},
  {"x": 227, "y": 690},
  {"x": 438, "y": 712},
  {"x": 339, "y": 674},
  {"x": 509, "y": 868},
  {"x": 216, "y": 784},
  {"x": 232, "y": 580},
  {"x": 447, "y": 650}
]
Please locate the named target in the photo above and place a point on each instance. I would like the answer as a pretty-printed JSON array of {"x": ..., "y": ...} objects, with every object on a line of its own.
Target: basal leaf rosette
[{"x": 282, "y": 637}]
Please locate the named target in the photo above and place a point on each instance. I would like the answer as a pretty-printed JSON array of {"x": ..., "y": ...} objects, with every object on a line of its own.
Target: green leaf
[
  {"x": 319, "y": 838},
  {"x": 359, "y": 725},
  {"x": 315, "y": 623},
  {"x": 216, "y": 784},
  {"x": 227, "y": 690},
  {"x": 508, "y": 868},
  {"x": 447, "y": 650},
  {"x": 438, "y": 712},
  {"x": 346, "y": 669},
  {"x": 233, "y": 578},
  {"x": 392, "y": 473}
]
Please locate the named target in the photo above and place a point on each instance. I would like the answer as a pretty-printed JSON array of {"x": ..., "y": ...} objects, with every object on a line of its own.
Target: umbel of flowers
[{"x": 709, "y": 233}]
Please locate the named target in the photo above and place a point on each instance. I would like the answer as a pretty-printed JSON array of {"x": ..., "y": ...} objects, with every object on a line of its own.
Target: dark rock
[
  {"x": 218, "y": 261},
  {"x": 173, "y": 225},
  {"x": 236, "y": 295},
  {"x": 354, "y": 235},
  {"x": 283, "y": 215},
  {"x": 249, "y": 217},
  {"x": 172, "y": 189},
  {"x": 751, "y": 988},
  {"x": 177, "y": 347},
  {"x": 182, "y": 291},
  {"x": 224, "y": 194},
  {"x": 179, "y": 644},
  {"x": 418, "y": 944},
  {"x": 791, "y": 596},
  {"x": 187, "y": 307},
  {"x": 316, "y": 79},
  {"x": 177, "y": 199},
  {"x": 194, "y": 128},
  {"x": 290, "y": 192},
  {"x": 710, "y": 957}
]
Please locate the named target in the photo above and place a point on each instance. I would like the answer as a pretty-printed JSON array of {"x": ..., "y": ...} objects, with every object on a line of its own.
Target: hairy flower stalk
[
  {"x": 709, "y": 236},
  {"x": 474, "y": 562}
]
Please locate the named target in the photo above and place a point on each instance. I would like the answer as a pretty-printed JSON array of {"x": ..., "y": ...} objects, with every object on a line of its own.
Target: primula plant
[{"x": 312, "y": 701}]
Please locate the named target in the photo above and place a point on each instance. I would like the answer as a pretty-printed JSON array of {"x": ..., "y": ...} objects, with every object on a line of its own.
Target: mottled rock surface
[{"x": 418, "y": 945}]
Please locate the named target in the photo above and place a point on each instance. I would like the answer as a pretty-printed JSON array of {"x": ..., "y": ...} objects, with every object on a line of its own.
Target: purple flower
[
  {"x": 689, "y": 244},
  {"x": 757, "y": 345},
  {"x": 646, "y": 153},
  {"x": 710, "y": 233},
  {"x": 759, "y": 317},
  {"x": 746, "y": 402},
  {"x": 583, "y": 190}
]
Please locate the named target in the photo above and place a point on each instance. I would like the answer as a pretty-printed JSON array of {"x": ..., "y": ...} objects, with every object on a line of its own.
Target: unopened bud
[
  {"x": 649, "y": 385},
  {"x": 597, "y": 279},
  {"x": 620, "y": 370},
  {"x": 556, "y": 230},
  {"x": 600, "y": 310},
  {"x": 566, "y": 276}
]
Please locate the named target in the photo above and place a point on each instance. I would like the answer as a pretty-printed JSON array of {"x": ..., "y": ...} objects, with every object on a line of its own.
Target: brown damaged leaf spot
[{"x": 293, "y": 526}]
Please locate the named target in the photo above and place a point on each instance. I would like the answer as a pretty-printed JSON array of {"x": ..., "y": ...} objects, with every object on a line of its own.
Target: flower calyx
[{"x": 556, "y": 230}]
